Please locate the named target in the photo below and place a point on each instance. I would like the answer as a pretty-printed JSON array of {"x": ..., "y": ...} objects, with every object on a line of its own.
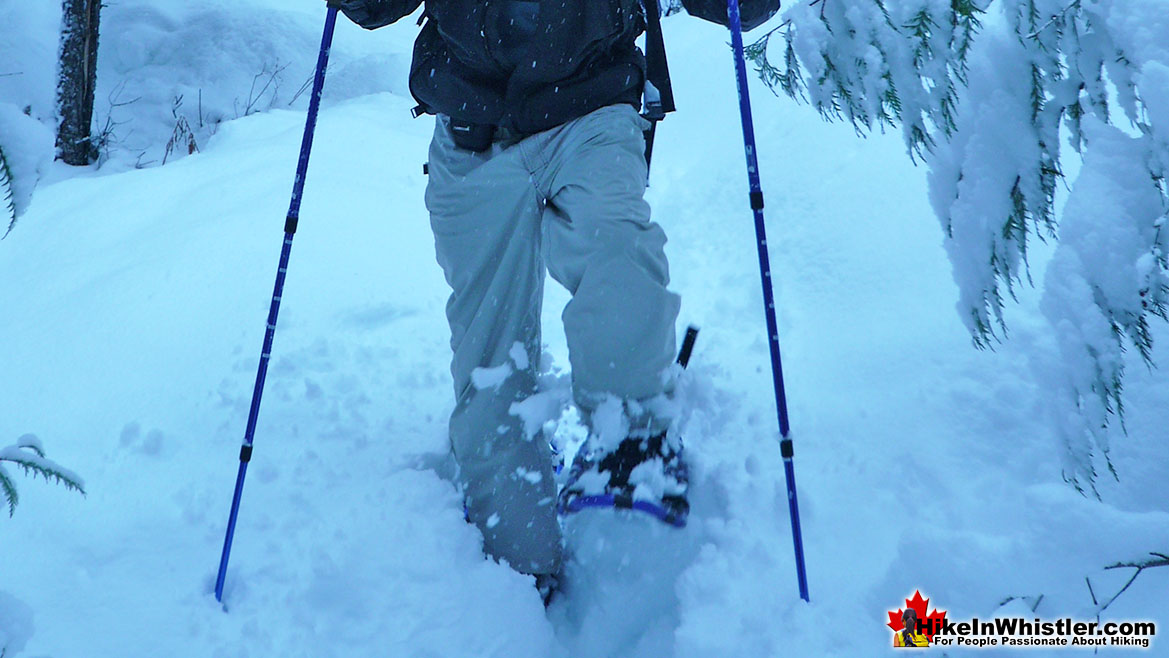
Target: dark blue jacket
[{"x": 581, "y": 57}]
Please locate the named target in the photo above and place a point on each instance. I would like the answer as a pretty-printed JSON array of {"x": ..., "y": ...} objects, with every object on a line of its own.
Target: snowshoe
[
  {"x": 644, "y": 474},
  {"x": 647, "y": 474}
]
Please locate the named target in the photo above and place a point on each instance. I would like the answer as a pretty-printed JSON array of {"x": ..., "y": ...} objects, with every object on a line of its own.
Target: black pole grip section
[
  {"x": 649, "y": 145},
  {"x": 757, "y": 200},
  {"x": 786, "y": 449},
  {"x": 687, "y": 345},
  {"x": 245, "y": 453},
  {"x": 290, "y": 223}
]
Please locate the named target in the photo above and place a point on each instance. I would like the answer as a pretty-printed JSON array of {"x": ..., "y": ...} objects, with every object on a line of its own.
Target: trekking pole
[
  {"x": 290, "y": 222},
  {"x": 785, "y": 444}
]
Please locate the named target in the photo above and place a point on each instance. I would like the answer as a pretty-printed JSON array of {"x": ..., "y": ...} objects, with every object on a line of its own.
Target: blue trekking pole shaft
[
  {"x": 768, "y": 295},
  {"x": 290, "y": 222}
]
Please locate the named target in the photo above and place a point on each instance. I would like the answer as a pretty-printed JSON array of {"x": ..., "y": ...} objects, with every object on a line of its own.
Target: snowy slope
[{"x": 133, "y": 314}]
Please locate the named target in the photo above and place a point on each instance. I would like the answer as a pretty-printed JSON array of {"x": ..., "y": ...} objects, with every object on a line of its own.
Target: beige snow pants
[{"x": 569, "y": 199}]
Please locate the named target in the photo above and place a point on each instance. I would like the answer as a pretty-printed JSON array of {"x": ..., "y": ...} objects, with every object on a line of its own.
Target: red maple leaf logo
[{"x": 929, "y": 623}]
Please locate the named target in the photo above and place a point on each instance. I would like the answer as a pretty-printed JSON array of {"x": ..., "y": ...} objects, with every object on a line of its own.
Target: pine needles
[
  {"x": 29, "y": 455},
  {"x": 7, "y": 204}
]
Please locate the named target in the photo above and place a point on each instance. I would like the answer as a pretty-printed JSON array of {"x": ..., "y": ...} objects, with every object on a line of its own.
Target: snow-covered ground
[{"x": 133, "y": 305}]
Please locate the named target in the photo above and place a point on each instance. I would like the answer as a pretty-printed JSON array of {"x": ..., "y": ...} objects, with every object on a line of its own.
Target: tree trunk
[{"x": 78, "y": 77}]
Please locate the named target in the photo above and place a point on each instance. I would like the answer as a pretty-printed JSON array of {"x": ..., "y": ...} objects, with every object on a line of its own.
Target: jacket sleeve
[
  {"x": 752, "y": 13},
  {"x": 372, "y": 14}
]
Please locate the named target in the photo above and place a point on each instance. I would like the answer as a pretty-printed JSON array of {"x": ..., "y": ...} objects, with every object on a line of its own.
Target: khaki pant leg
[
  {"x": 485, "y": 213},
  {"x": 599, "y": 243}
]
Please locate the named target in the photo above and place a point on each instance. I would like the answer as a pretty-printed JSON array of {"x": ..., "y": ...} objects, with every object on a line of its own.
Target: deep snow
[{"x": 133, "y": 308}]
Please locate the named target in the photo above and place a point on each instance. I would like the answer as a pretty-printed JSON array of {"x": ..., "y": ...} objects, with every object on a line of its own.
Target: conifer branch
[
  {"x": 11, "y": 498},
  {"x": 1159, "y": 560},
  {"x": 1056, "y": 17},
  {"x": 29, "y": 455},
  {"x": 7, "y": 204},
  {"x": 876, "y": 64}
]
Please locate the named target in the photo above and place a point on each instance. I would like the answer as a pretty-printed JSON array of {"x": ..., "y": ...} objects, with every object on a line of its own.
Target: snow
[
  {"x": 547, "y": 406},
  {"x": 1099, "y": 258},
  {"x": 482, "y": 378},
  {"x": 17, "y": 626},
  {"x": 519, "y": 356},
  {"x": 134, "y": 304},
  {"x": 973, "y": 175},
  {"x": 28, "y": 149},
  {"x": 31, "y": 441}
]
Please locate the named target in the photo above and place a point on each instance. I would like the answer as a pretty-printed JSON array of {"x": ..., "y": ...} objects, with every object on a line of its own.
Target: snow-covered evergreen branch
[
  {"x": 28, "y": 454},
  {"x": 1154, "y": 560},
  {"x": 6, "y": 201},
  {"x": 26, "y": 149},
  {"x": 875, "y": 64},
  {"x": 983, "y": 91}
]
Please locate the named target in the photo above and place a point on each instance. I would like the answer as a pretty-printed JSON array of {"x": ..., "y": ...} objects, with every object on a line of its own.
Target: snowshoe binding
[{"x": 644, "y": 474}]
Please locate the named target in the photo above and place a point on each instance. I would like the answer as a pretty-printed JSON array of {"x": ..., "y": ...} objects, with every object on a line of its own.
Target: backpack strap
[
  {"x": 659, "y": 94},
  {"x": 657, "y": 69}
]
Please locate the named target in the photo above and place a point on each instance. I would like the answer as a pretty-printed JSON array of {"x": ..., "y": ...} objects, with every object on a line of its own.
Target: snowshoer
[{"x": 538, "y": 164}]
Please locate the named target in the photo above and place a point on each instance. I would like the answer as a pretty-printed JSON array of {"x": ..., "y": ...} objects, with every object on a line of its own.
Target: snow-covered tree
[
  {"x": 78, "y": 78},
  {"x": 986, "y": 93}
]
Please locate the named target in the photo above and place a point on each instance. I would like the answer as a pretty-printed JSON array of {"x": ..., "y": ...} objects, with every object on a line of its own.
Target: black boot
[{"x": 548, "y": 584}]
